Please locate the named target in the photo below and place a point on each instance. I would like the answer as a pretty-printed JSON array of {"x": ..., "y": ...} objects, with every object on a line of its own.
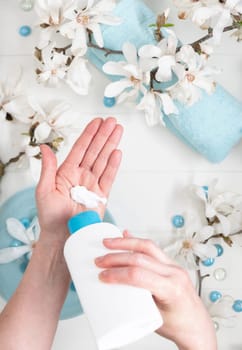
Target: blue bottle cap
[{"x": 83, "y": 219}]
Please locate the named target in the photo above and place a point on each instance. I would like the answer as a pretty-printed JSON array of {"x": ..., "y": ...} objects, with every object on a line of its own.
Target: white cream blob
[{"x": 89, "y": 199}]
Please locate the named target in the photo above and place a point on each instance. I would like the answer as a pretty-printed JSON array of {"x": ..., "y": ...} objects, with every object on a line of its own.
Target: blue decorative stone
[
  {"x": 25, "y": 222},
  {"x": 237, "y": 306},
  {"x": 208, "y": 262},
  {"x": 219, "y": 248},
  {"x": 178, "y": 221},
  {"x": 109, "y": 101},
  {"x": 25, "y": 30},
  {"x": 215, "y": 295}
]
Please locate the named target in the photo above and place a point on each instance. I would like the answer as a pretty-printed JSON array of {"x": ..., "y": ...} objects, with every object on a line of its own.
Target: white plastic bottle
[{"x": 118, "y": 314}]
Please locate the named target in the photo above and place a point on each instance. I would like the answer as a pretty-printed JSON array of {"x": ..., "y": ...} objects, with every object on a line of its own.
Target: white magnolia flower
[
  {"x": 13, "y": 103},
  {"x": 189, "y": 244},
  {"x": 222, "y": 13},
  {"x": 52, "y": 69},
  {"x": 193, "y": 76},
  {"x": 51, "y": 124},
  {"x": 152, "y": 103},
  {"x": 161, "y": 57},
  {"x": 134, "y": 80},
  {"x": 88, "y": 16},
  {"x": 222, "y": 312},
  {"x": 226, "y": 207},
  {"x": 238, "y": 34},
  {"x": 27, "y": 238},
  {"x": 51, "y": 16},
  {"x": 78, "y": 76}
]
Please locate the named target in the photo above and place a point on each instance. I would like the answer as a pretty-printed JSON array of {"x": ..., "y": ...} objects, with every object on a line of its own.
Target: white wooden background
[{"x": 155, "y": 169}]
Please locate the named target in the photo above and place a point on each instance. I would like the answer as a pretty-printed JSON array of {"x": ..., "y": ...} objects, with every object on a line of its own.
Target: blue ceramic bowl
[{"x": 22, "y": 207}]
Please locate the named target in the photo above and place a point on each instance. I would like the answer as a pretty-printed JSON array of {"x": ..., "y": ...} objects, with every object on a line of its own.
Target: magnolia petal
[
  {"x": 97, "y": 33},
  {"x": 12, "y": 253},
  {"x": 42, "y": 132},
  {"x": 17, "y": 230},
  {"x": 149, "y": 51},
  {"x": 20, "y": 108},
  {"x": 114, "y": 68},
  {"x": 164, "y": 72},
  {"x": 205, "y": 251},
  {"x": 78, "y": 76},
  {"x": 130, "y": 53},
  {"x": 115, "y": 89},
  {"x": 168, "y": 104}
]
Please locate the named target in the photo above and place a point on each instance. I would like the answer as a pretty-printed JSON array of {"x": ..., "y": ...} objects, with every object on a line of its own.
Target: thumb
[{"x": 48, "y": 171}]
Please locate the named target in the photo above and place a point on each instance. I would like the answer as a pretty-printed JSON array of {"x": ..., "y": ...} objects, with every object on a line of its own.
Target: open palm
[{"x": 92, "y": 162}]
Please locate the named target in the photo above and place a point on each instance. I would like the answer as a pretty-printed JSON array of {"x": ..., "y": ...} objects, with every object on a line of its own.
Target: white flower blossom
[
  {"x": 51, "y": 124},
  {"x": 222, "y": 312},
  {"x": 210, "y": 13},
  {"x": 88, "y": 17},
  {"x": 51, "y": 16},
  {"x": 52, "y": 69},
  {"x": 193, "y": 76},
  {"x": 134, "y": 80},
  {"x": 226, "y": 207},
  {"x": 13, "y": 103},
  {"x": 78, "y": 76},
  {"x": 222, "y": 13},
  {"x": 152, "y": 103},
  {"x": 161, "y": 57},
  {"x": 27, "y": 238},
  {"x": 190, "y": 244}
]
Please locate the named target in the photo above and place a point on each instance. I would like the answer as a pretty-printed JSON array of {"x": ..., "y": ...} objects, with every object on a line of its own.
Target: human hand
[
  {"x": 92, "y": 162},
  {"x": 144, "y": 265}
]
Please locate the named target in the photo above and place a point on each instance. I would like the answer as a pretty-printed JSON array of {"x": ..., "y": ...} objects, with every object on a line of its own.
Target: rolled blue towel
[{"x": 213, "y": 125}]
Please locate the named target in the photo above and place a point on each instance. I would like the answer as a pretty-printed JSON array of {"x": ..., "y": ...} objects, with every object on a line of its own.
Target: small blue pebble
[
  {"x": 237, "y": 306},
  {"x": 178, "y": 221},
  {"x": 215, "y": 295},
  {"x": 208, "y": 262},
  {"x": 109, "y": 101},
  {"x": 25, "y": 30},
  {"x": 220, "y": 249},
  {"x": 25, "y": 222}
]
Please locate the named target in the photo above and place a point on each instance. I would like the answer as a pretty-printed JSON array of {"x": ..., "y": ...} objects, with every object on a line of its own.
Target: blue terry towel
[{"x": 213, "y": 125}]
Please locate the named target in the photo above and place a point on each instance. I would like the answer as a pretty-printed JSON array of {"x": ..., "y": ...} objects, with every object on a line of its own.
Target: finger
[
  {"x": 126, "y": 259},
  {"x": 83, "y": 142},
  {"x": 139, "y": 245},
  {"x": 98, "y": 142},
  {"x": 108, "y": 176},
  {"x": 127, "y": 234},
  {"x": 110, "y": 145},
  {"x": 159, "y": 286},
  {"x": 48, "y": 171}
]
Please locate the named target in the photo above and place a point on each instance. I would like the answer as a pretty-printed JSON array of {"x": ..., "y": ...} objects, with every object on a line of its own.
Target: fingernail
[{"x": 99, "y": 259}]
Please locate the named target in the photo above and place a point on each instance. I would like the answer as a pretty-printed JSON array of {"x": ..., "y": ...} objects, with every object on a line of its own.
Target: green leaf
[
  {"x": 168, "y": 25},
  {"x": 152, "y": 25}
]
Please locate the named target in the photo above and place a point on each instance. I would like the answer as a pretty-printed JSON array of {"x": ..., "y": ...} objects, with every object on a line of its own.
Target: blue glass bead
[
  {"x": 215, "y": 295},
  {"x": 208, "y": 262},
  {"x": 220, "y": 249},
  {"x": 25, "y": 30},
  {"x": 109, "y": 101},
  {"x": 178, "y": 221},
  {"x": 15, "y": 243},
  {"x": 72, "y": 287},
  {"x": 25, "y": 222},
  {"x": 237, "y": 306}
]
